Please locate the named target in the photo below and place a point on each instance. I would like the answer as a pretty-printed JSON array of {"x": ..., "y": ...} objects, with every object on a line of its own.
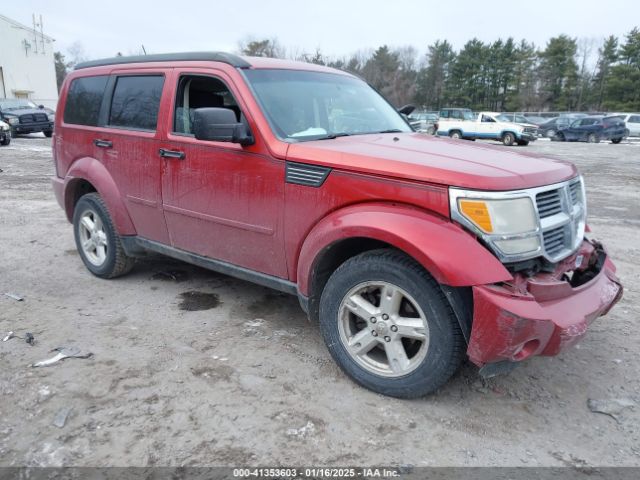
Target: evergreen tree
[
  {"x": 434, "y": 77},
  {"x": 559, "y": 73}
]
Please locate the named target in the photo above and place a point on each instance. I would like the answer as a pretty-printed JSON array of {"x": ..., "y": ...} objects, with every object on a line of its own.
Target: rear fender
[
  {"x": 94, "y": 172},
  {"x": 453, "y": 256}
]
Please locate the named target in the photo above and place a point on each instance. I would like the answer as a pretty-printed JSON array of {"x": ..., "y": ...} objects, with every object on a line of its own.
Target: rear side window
[
  {"x": 634, "y": 119},
  {"x": 84, "y": 99},
  {"x": 136, "y": 101}
]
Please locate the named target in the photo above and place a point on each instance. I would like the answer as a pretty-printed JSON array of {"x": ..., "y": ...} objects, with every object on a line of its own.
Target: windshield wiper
[{"x": 331, "y": 136}]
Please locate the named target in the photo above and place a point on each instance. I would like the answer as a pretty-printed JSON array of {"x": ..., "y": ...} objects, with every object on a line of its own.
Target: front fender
[
  {"x": 452, "y": 255},
  {"x": 94, "y": 172}
]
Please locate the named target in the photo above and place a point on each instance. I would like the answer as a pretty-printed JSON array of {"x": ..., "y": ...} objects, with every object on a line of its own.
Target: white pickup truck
[{"x": 488, "y": 125}]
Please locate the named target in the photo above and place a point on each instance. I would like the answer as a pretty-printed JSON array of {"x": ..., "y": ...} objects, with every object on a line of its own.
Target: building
[{"x": 27, "y": 68}]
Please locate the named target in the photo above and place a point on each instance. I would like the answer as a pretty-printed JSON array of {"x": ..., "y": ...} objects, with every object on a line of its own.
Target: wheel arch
[
  {"x": 89, "y": 175},
  {"x": 450, "y": 254}
]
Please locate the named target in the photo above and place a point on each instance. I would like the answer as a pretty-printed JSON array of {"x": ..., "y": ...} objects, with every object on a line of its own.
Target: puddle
[{"x": 193, "y": 301}]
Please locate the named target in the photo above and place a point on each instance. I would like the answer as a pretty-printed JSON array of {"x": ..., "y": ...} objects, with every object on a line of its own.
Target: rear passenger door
[{"x": 128, "y": 145}]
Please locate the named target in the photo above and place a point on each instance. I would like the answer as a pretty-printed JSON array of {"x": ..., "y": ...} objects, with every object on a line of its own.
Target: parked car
[
  {"x": 632, "y": 123},
  {"x": 593, "y": 129},
  {"x": 551, "y": 127},
  {"x": 24, "y": 116},
  {"x": 456, "y": 114},
  {"x": 5, "y": 133},
  {"x": 489, "y": 125},
  {"x": 410, "y": 250},
  {"x": 424, "y": 122}
]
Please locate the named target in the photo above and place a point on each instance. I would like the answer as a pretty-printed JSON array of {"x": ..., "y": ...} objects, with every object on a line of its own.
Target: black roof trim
[{"x": 223, "y": 57}]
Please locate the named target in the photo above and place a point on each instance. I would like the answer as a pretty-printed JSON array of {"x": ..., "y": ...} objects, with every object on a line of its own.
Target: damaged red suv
[{"x": 411, "y": 251}]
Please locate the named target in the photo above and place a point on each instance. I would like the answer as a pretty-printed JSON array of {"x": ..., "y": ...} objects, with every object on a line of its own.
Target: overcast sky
[{"x": 337, "y": 27}]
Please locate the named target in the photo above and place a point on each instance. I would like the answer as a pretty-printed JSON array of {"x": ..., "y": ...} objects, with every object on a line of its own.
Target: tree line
[{"x": 568, "y": 74}]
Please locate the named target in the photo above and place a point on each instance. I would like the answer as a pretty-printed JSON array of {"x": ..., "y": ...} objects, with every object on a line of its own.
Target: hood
[
  {"x": 527, "y": 125},
  {"x": 437, "y": 160},
  {"x": 23, "y": 111}
]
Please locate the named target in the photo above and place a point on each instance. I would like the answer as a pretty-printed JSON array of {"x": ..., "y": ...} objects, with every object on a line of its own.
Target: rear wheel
[
  {"x": 616, "y": 140},
  {"x": 97, "y": 240},
  {"x": 508, "y": 139},
  {"x": 388, "y": 325},
  {"x": 455, "y": 134}
]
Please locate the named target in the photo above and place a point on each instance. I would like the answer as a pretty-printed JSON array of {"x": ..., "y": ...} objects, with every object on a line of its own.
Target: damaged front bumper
[{"x": 544, "y": 313}]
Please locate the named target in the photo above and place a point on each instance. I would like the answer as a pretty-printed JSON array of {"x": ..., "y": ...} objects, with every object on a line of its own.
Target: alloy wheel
[{"x": 93, "y": 238}]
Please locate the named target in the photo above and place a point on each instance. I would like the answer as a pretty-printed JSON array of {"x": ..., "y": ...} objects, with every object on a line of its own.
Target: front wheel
[
  {"x": 455, "y": 135},
  {"x": 523, "y": 143},
  {"x": 48, "y": 133},
  {"x": 6, "y": 141},
  {"x": 97, "y": 240},
  {"x": 616, "y": 140},
  {"x": 593, "y": 138},
  {"x": 508, "y": 139},
  {"x": 388, "y": 325},
  {"x": 551, "y": 133}
]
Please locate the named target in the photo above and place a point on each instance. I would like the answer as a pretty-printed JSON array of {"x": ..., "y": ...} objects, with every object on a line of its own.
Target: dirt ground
[{"x": 194, "y": 368}]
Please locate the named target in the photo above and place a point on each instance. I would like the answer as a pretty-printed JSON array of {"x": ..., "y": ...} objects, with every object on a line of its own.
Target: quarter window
[
  {"x": 84, "y": 99},
  {"x": 136, "y": 101}
]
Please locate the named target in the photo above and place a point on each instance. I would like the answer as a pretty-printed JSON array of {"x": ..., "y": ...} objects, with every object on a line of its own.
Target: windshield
[
  {"x": 16, "y": 103},
  {"x": 303, "y": 105}
]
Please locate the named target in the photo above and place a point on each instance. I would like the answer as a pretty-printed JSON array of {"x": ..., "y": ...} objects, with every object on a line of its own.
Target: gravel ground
[{"x": 194, "y": 368}]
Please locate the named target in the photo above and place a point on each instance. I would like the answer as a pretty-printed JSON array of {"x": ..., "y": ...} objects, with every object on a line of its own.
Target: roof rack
[{"x": 223, "y": 57}]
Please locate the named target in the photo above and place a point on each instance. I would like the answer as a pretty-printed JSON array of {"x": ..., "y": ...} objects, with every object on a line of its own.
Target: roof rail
[{"x": 223, "y": 57}]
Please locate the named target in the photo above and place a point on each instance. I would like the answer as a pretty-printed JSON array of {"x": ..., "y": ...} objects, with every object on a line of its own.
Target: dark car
[
  {"x": 24, "y": 116},
  {"x": 553, "y": 126},
  {"x": 593, "y": 129}
]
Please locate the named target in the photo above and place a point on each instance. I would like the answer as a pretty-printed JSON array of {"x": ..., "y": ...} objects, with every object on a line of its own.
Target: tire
[
  {"x": 616, "y": 140},
  {"x": 593, "y": 138},
  {"x": 6, "y": 141},
  {"x": 523, "y": 143},
  {"x": 48, "y": 133},
  {"x": 508, "y": 139},
  {"x": 455, "y": 135},
  {"x": 550, "y": 133},
  {"x": 425, "y": 364},
  {"x": 558, "y": 137},
  {"x": 99, "y": 246},
  {"x": 431, "y": 131},
  {"x": 626, "y": 133}
]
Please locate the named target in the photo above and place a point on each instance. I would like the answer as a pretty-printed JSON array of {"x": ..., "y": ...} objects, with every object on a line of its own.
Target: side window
[
  {"x": 195, "y": 92},
  {"x": 634, "y": 119},
  {"x": 444, "y": 113},
  {"x": 84, "y": 99},
  {"x": 487, "y": 119},
  {"x": 135, "y": 102}
]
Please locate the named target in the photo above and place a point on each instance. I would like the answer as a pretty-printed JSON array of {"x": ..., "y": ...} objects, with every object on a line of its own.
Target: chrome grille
[
  {"x": 549, "y": 203},
  {"x": 562, "y": 215},
  {"x": 33, "y": 117},
  {"x": 532, "y": 130}
]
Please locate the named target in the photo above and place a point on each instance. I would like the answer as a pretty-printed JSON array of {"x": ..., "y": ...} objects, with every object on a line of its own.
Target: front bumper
[
  {"x": 545, "y": 313},
  {"x": 529, "y": 137},
  {"x": 32, "y": 127}
]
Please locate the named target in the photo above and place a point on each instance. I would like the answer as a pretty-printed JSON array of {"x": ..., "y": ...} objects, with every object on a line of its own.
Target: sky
[{"x": 336, "y": 27}]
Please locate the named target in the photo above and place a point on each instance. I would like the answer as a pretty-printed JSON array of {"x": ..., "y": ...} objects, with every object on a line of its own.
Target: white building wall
[{"x": 26, "y": 60}]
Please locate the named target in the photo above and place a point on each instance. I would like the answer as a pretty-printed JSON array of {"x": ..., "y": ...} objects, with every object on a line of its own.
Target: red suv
[{"x": 411, "y": 251}]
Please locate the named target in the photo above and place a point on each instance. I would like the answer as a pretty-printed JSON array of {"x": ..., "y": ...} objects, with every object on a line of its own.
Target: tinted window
[
  {"x": 136, "y": 101},
  {"x": 84, "y": 99}
]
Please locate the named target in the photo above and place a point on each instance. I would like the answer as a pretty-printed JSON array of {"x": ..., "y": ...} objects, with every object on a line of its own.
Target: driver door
[{"x": 220, "y": 200}]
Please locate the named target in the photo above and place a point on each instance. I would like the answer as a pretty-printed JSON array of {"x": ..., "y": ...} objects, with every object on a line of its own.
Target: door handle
[
  {"x": 171, "y": 154},
  {"x": 103, "y": 143}
]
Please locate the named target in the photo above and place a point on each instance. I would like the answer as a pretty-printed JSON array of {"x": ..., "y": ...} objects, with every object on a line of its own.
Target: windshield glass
[
  {"x": 16, "y": 103},
  {"x": 303, "y": 105}
]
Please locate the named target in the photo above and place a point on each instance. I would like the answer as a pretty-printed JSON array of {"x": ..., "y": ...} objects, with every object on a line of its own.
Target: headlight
[
  {"x": 51, "y": 117},
  {"x": 508, "y": 224},
  {"x": 12, "y": 120}
]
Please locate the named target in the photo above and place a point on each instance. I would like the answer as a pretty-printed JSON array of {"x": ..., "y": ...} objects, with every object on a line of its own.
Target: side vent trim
[{"x": 307, "y": 175}]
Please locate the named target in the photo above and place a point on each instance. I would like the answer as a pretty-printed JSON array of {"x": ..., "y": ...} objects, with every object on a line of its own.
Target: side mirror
[
  {"x": 41, "y": 107},
  {"x": 407, "y": 109},
  {"x": 220, "y": 125}
]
